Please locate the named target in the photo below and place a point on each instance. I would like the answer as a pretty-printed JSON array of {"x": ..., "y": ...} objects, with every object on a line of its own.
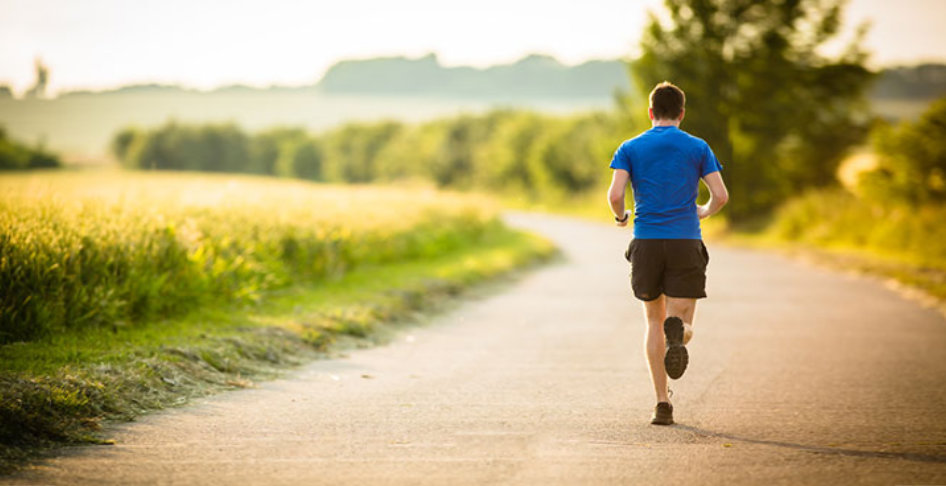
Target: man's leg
[
  {"x": 684, "y": 309},
  {"x": 655, "y": 311},
  {"x": 675, "y": 326}
]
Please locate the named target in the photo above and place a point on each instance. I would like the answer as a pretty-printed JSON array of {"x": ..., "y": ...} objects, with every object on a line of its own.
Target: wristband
[{"x": 624, "y": 219}]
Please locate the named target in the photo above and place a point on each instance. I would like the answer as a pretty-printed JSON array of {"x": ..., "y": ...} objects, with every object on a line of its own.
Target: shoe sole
[
  {"x": 661, "y": 422},
  {"x": 676, "y": 358}
]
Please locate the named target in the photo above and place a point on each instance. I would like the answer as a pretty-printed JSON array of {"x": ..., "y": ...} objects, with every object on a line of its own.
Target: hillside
[
  {"x": 536, "y": 76},
  {"x": 532, "y": 76}
]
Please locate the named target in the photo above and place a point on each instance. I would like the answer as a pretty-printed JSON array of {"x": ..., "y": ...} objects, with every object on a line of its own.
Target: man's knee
[{"x": 677, "y": 306}]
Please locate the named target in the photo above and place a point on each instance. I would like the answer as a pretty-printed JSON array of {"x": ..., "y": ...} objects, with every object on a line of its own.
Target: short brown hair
[{"x": 667, "y": 101}]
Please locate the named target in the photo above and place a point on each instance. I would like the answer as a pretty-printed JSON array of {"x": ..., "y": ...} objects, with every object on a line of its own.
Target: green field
[{"x": 127, "y": 292}]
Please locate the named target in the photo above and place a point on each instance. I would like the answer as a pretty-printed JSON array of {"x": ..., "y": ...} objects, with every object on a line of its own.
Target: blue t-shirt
[{"x": 666, "y": 165}]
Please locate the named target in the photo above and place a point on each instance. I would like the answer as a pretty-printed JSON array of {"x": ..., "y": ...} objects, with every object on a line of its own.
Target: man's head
[{"x": 667, "y": 102}]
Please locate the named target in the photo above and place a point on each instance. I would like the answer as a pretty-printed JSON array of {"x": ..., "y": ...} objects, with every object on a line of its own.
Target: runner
[{"x": 668, "y": 258}]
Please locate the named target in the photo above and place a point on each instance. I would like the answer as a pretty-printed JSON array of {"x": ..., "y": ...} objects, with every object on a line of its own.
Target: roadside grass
[
  {"x": 62, "y": 388},
  {"x": 836, "y": 229}
]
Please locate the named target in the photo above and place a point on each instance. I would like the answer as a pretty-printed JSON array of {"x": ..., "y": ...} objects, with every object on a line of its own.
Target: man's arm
[
  {"x": 719, "y": 196},
  {"x": 616, "y": 193}
]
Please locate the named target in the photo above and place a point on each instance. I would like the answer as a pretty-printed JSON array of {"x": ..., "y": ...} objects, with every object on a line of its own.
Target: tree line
[{"x": 502, "y": 150}]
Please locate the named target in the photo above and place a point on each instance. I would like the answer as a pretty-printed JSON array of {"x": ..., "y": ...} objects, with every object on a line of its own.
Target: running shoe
[
  {"x": 676, "y": 357},
  {"x": 663, "y": 414}
]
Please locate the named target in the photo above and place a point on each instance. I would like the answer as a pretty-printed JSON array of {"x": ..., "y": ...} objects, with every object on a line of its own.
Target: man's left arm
[
  {"x": 719, "y": 196},
  {"x": 616, "y": 192}
]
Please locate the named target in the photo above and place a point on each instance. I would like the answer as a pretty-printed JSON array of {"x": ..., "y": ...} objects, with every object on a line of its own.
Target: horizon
[
  {"x": 314, "y": 83},
  {"x": 105, "y": 44},
  {"x": 184, "y": 87}
]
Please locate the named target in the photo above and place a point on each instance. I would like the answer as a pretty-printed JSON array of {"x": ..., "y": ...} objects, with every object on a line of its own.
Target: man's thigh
[
  {"x": 685, "y": 272},
  {"x": 647, "y": 260}
]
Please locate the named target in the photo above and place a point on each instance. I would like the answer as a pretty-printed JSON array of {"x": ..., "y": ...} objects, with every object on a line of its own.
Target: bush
[
  {"x": 16, "y": 156},
  {"x": 911, "y": 159},
  {"x": 839, "y": 218}
]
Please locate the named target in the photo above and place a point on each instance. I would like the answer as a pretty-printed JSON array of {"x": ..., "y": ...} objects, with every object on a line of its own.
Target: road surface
[{"x": 798, "y": 375}]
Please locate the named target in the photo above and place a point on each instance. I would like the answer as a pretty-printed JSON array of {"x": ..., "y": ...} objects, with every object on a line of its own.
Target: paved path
[{"x": 797, "y": 376}]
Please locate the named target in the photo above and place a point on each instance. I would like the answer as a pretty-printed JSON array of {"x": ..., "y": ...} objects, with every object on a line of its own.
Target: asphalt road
[{"x": 797, "y": 376}]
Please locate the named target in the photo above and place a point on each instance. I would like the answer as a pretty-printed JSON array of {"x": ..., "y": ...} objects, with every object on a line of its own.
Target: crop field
[{"x": 89, "y": 250}]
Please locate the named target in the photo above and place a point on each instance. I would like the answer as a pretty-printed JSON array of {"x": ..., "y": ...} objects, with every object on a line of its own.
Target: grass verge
[
  {"x": 834, "y": 228},
  {"x": 923, "y": 282},
  {"x": 63, "y": 388}
]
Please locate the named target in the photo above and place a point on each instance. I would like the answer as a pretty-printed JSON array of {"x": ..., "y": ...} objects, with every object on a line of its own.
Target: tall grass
[
  {"x": 85, "y": 250},
  {"x": 837, "y": 218}
]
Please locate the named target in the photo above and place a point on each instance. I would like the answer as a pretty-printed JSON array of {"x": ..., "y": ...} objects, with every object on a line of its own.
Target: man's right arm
[
  {"x": 616, "y": 192},
  {"x": 719, "y": 196}
]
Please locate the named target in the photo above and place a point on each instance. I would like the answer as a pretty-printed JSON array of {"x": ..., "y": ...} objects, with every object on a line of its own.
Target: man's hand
[
  {"x": 719, "y": 196},
  {"x": 703, "y": 211},
  {"x": 627, "y": 217}
]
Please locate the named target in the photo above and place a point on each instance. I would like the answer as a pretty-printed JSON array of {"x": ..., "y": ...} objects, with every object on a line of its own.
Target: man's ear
[
  {"x": 650, "y": 113},
  {"x": 683, "y": 113}
]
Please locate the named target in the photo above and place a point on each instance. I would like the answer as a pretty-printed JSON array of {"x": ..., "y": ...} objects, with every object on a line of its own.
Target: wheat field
[{"x": 84, "y": 249}]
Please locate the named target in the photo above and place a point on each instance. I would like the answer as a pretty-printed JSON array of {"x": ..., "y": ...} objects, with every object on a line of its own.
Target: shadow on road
[{"x": 908, "y": 456}]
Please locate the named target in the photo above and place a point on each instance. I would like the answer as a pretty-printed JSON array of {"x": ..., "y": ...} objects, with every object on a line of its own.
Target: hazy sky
[{"x": 206, "y": 43}]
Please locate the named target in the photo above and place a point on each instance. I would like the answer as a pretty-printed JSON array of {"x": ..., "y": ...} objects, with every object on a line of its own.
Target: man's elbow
[
  {"x": 615, "y": 197},
  {"x": 722, "y": 198}
]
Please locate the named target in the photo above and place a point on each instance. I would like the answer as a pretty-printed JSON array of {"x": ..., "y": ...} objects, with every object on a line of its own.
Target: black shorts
[{"x": 675, "y": 268}]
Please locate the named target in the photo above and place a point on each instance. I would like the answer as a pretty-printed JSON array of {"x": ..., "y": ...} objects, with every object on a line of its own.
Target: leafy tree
[
  {"x": 911, "y": 159},
  {"x": 13, "y": 156},
  {"x": 307, "y": 159},
  {"x": 453, "y": 164},
  {"x": 412, "y": 153},
  {"x": 505, "y": 160},
  {"x": 38, "y": 90},
  {"x": 17, "y": 156},
  {"x": 352, "y": 150},
  {"x": 777, "y": 112},
  {"x": 273, "y": 152},
  {"x": 122, "y": 141},
  {"x": 216, "y": 148},
  {"x": 571, "y": 151}
]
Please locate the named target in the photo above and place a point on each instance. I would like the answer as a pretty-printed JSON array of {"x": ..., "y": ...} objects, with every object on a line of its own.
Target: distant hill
[
  {"x": 171, "y": 89},
  {"x": 925, "y": 81},
  {"x": 533, "y": 76},
  {"x": 131, "y": 89},
  {"x": 544, "y": 76}
]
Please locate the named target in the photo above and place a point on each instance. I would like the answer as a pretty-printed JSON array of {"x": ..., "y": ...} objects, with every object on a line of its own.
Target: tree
[
  {"x": 38, "y": 90},
  {"x": 17, "y": 156},
  {"x": 778, "y": 113},
  {"x": 352, "y": 150}
]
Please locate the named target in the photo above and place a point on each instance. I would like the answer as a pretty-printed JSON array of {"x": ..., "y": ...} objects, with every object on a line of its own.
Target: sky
[{"x": 99, "y": 44}]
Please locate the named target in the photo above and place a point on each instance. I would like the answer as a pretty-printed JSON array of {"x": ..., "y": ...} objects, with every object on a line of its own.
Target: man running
[{"x": 668, "y": 259}]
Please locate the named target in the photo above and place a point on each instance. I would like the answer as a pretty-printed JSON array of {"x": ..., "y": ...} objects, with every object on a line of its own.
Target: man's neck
[{"x": 665, "y": 123}]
